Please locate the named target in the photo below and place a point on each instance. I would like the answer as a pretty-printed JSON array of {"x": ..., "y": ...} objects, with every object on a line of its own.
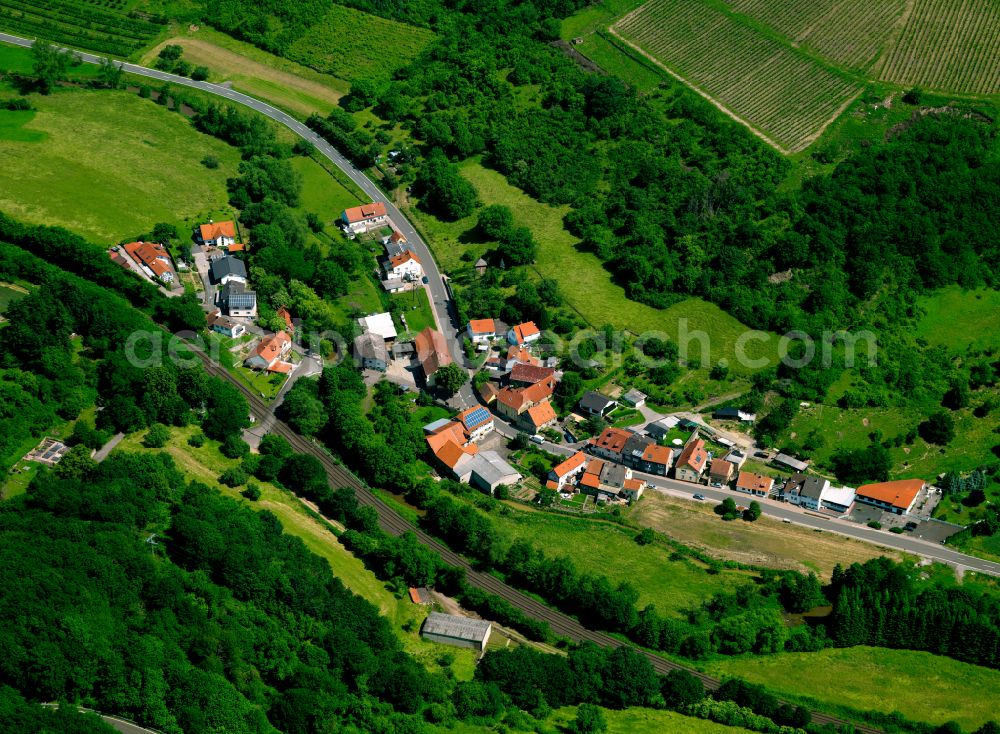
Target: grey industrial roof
[
  {"x": 791, "y": 461},
  {"x": 460, "y": 628},
  {"x": 228, "y": 266},
  {"x": 490, "y": 467}
]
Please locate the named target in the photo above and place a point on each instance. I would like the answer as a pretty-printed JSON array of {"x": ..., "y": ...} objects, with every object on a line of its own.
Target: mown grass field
[
  {"x": 924, "y": 687},
  {"x": 766, "y": 542},
  {"x": 350, "y": 44},
  {"x": 586, "y": 285},
  {"x": 323, "y": 194},
  {"x": 416, "y": 308},
  {"x": 602, "y": 548},
  {"x": 959, "y": 319},
  {"x": 626, "y": 721},
  {"x": 110, "y": 165},
  {"x": 206, "y": 463},
  {"x": 284, "y": 83}
]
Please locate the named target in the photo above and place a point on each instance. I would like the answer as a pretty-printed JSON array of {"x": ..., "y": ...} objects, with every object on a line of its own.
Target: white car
[{"x": 537, "y": 438}]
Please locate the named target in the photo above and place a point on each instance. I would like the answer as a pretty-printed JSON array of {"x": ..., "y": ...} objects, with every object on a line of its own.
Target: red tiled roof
[
  {"x": 482, "y": 326},
  {"x": 530, "y": 373},
  {"x": 570, "y": 465},
  {"x": 612, "y": 439},
  {"x": 447, "y": 446},
  {"x": 590, "y": 480},
  {"x": 521, "y": 355},
  {"x": 523, "y": 331},
  {"x": 415, "y": 596},
  {"x": 656, "y": 454},
  {"x": 286, "y": 317},
  {"x": 272, "y": 347},
  {"x": 549, "y": 484},
  {"x": 365, "y": 211},
  {"x": 398, "y": 260},
  {"x": 518, "y": 398},
  {"x": 432, "y": 351},
  {"x": 489, "y": 392},
  {"x": 150, "y": 254},
  {"x": 754, "y": 482},
  {"x": 282, "y": 367},
  {"x": 899, "y": 493},
  {"x": 633, "y": 484},
  {"x": 397, "y": 237},
  {"x": 721, "y": 468},
  {"x": 541, "y": 414},
  {"x": 237, "y": 247},
  {"x": 693, "y": 455},
  {"x": 217, "y": 229}
]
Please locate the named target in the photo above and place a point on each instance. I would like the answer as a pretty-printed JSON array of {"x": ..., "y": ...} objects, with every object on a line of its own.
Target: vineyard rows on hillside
[
  {"x": 783, "y": 94},
  {"x": 949, "y": 45},
  {"x": 104, "y": 28},
  {"x": 847, "y": 32}
]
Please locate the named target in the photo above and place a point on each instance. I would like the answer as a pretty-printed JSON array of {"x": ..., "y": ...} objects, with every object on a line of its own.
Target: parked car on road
[
  {"x": 538, "y": 438},
  {"x": 699, "y": 497}
]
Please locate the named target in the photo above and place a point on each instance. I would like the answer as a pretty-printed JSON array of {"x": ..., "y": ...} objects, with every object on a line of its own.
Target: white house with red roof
[
  {"x": 692, "y": 461},
  {"x": 362, "y": 218},
  {"x": 525, "y": 333},
  {"x": 153, "y": 259},
  {"x": 481, "y": 330},
  {"x": 566, "y": 473},
  {"x": 269, "y": 353},
  {"x": 404, "y": 266},
  {"x": 219, "y": 234}
]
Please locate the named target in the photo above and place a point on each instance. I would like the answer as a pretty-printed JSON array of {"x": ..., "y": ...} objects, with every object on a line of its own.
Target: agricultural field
[
  {"x": 103, "y": 26},
  {"x": 850, "y": 33},
  {"x": 782, "y": 94},
  {"x": 285, "y": 84},
  {"x": 109, "y": 165},
  {"x": 947, "y": 45},
  {"x": 587, "y": 287},
  {"x": 766, "y": 542},
  {"x": 603, "y": 548},
  {"x": 926, "y": 687},
  {"x": 382, "y": 47}
]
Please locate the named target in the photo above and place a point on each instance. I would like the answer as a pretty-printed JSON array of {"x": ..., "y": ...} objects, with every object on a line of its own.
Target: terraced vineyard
[
  {"x": 950, "y": 45},
  {"x": 848, "y": 32},
  {"x": 782, "y": 94},
  {"x": 94, "y": 25}
]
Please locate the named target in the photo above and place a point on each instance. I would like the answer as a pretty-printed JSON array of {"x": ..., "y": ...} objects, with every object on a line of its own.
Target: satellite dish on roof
[{"x": 677, "y": 442}]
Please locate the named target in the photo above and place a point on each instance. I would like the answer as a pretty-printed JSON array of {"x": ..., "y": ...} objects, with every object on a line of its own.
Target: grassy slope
[
  {"x": 603, "y": 548},
  {"x": 206, "y": 463},
  {"x": 766, "y": 542},
  {"x": 959, "y": 319},
  {"x": 587, "y": 286},
  {"x": 850, "y": 428},
  {"x": 110, "y": 166},
  {"x": 350, "y": 44},
  {"x": 924, "y": 687},
  {"x": 419, "y": 318},
  {"x": 289, "y": 85},
  {"x": 323, "y": 194}
]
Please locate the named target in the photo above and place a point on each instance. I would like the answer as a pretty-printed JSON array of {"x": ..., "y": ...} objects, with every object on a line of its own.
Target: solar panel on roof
[{"x": 477, "y": 416}]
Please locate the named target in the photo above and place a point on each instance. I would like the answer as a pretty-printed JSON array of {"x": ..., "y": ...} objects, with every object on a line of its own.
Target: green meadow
[
  {"x": 924, "y": 687},
  {"x": 109, "y": 165},
  {"x": 960, "y": 319},
  {"x": 350, "y": 44},
  {"x": 606, "y": 549}
]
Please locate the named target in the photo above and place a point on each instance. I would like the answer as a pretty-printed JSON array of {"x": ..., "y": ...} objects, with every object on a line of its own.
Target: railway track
[{"x": 393, "y": 523}]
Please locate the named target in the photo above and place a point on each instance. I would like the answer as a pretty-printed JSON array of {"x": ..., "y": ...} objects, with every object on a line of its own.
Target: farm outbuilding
[{"x": 458, "y": 631}]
